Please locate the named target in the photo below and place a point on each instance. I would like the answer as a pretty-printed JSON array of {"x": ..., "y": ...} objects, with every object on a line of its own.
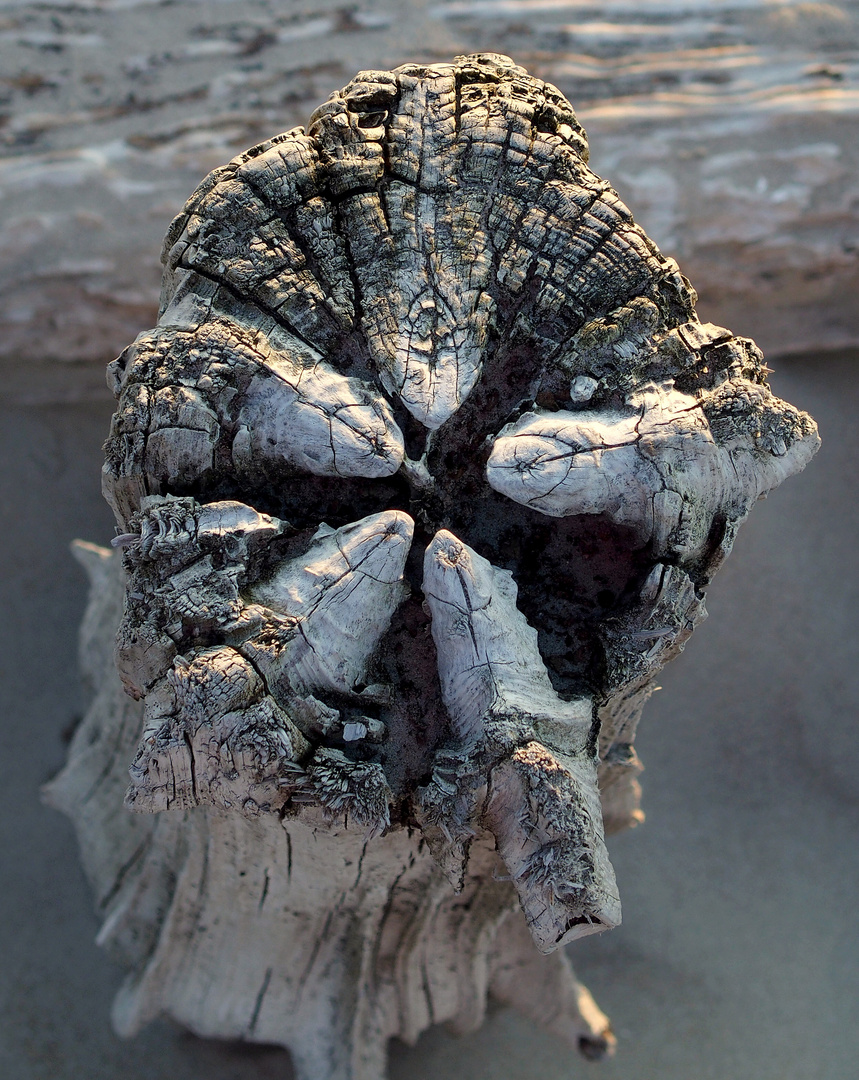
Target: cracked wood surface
[
  {"x": 419, "y": 481},
  {"x": 655, "y": 467}
]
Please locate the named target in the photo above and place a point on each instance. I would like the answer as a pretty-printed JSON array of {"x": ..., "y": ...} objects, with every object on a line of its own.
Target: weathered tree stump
[{"x": 420, "y": 479}]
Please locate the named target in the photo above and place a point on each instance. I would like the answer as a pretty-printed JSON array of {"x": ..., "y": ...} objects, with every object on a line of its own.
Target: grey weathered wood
[{"x": 419, "y": 481}]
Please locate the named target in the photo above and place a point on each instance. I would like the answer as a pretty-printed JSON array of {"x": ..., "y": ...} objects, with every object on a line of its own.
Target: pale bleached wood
[
  {"x": 320, "y": 423},
  {"x": 656, "y": 465},
  {"x": 419, "y": 481},
  {"x": 333, "y": 942},
  {"x": 525, "y": 761}
]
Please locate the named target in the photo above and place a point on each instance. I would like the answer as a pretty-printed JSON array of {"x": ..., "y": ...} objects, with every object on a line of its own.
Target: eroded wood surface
[{"x": 419, "y": 481}]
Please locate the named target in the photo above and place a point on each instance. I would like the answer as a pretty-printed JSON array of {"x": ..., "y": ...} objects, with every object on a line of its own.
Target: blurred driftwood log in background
[
  {"x": 730, "y": 126},
  {"x": 427, "y": 307}
]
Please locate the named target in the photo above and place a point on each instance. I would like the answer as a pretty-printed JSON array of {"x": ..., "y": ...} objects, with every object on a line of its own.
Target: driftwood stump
[{"x": 420, "y": 479}]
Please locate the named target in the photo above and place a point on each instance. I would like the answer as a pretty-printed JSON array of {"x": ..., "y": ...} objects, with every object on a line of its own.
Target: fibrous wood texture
[{"x": 419, "y": 481}]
